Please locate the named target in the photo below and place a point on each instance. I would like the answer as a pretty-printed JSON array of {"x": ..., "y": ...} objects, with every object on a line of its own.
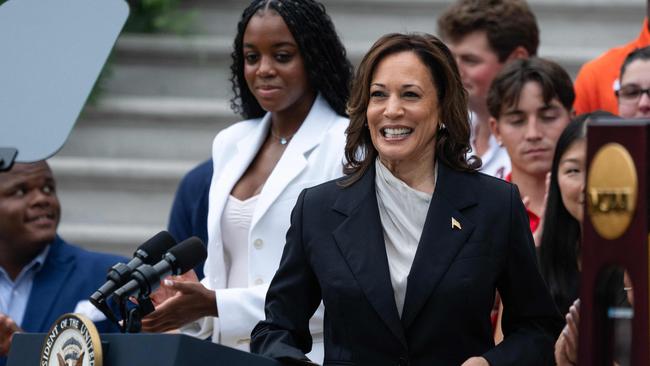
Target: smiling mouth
[
  {"x": 396, "y": 133},
  {"x": 44, "y": 218},
  {"x": 267, "y": 87}
]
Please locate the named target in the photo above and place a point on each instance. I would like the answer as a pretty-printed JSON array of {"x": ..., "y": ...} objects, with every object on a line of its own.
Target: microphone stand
[
  {"x": 102, "y": 306},
  {"x": 133, "y": 316}
]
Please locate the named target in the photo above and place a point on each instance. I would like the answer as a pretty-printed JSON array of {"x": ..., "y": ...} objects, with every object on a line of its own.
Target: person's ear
[
  {"x": 518, "y": 53},
  {"x": 494, "y": 127}
]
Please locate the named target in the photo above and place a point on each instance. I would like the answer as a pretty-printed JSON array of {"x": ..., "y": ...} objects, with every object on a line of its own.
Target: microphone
[
  {"x": 180, "y": 259},
  {"x": 147, "y": 253}
]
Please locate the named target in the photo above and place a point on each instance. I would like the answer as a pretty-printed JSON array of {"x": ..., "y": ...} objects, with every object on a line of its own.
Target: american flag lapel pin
[{"x": 455, "y": 224}]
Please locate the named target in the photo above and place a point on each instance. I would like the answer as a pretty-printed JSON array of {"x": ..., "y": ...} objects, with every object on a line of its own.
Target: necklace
[{"x": 283, "y": 140}]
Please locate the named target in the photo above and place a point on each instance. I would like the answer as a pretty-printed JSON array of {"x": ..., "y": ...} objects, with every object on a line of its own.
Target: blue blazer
[
  {"x": 189, "y": 213},
  {"x": 335, "y": 251},
  {"x": 69, "y": 275}
]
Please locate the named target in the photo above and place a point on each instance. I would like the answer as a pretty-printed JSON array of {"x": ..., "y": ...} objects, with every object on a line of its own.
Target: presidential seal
[{"x": 73, "y": 340}]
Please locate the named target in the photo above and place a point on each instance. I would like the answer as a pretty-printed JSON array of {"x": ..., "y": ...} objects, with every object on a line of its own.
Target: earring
[{"x": 441, "y": 126}]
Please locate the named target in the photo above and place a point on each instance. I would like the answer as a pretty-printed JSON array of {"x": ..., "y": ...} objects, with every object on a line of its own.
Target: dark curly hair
[
  {"x": 508, "y": 24},
  {"x": 452, "y": 142},
  {"x": 328, "y": 69}
]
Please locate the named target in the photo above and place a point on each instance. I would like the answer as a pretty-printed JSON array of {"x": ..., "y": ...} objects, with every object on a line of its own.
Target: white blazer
[{"x": 313, "y": 156}]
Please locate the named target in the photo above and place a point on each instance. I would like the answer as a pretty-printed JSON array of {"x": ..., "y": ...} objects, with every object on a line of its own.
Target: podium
[{"x": 145, "y": 350}]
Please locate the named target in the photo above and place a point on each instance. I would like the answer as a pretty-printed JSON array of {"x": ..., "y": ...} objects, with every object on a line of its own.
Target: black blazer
[{"x": 335, "y": 251}]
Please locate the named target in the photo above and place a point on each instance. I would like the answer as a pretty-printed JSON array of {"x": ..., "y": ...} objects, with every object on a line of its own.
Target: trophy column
[{"x": 615, "y": 238}]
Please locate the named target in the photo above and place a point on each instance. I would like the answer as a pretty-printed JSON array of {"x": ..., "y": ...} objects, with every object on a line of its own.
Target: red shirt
[{"x": 533, "y": 219}]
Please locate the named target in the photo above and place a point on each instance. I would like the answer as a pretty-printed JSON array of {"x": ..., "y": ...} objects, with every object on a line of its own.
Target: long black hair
[
  {"x": 560, "y": 247},
  {"x": 328, "y": 69}
]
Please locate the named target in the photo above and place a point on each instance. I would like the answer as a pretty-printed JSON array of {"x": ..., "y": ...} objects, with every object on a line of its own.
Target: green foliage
[
  {"x": 158, "y": 16},
  {"x": 148, "y": 16}
]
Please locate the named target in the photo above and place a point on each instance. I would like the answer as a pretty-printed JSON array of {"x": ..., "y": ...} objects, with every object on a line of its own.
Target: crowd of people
[{"x": 425, "y": 209}]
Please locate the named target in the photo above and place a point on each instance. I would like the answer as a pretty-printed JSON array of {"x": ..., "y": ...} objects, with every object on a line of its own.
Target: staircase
[{"x": 169, "y": 95}]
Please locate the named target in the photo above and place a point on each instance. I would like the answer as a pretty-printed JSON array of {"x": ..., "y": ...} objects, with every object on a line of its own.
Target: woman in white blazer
[{"x": 291, "y": 80}]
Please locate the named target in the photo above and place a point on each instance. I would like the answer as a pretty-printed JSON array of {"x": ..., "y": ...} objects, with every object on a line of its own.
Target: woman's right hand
[
  {"x": 566, "y": 347},
  {"x": 179, "y": 301}
]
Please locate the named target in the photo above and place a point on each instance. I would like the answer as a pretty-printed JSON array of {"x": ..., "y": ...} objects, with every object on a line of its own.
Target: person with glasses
[
  {"x": 598, "y": 78},
  {"x": 634, "y": 93}
]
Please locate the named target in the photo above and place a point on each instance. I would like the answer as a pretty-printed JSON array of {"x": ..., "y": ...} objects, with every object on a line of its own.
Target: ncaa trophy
[{"x": 615, "y": 238}]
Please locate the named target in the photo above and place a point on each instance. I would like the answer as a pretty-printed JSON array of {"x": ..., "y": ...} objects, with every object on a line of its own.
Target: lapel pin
[{"x": 455, "y": 224}]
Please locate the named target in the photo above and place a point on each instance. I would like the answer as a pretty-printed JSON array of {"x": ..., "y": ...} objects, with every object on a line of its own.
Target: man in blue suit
[{"x": 41, "y": 276}]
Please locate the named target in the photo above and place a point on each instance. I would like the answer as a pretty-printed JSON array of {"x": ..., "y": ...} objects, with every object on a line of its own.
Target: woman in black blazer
[{"x": 402, "y": 285}]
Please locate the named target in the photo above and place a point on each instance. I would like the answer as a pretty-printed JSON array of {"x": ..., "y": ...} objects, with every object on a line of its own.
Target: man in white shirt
[{"x": 484, "y": 36}]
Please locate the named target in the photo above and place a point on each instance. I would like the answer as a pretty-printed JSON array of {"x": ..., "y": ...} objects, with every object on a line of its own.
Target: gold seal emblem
[
  {"x": 73, "y": 340},
  {"x": 612, "y": 189}
]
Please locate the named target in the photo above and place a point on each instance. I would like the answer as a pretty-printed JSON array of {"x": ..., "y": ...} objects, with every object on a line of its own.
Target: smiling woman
[
  {"x": 559, "y": 251},
  {"x": 403, "y": 114},
  {"x": 274, "y": 68},
  {"x": 290, "y": 79},
  {"x": 406, "y": 252},
  {"x": 427, "y": 93}
]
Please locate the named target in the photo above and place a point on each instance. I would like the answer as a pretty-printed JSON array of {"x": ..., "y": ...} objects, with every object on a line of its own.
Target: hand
[
  {"x": 566, "y": 347},
  {"x": 191, "y": 301},
  {"x": 476, "y": 361},
  {"x": 7, "y": 330},
  {"x": 166, "y": 292}
]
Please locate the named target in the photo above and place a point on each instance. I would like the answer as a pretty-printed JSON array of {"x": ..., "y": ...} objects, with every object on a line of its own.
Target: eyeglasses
[{"x": 631, "y": 94}]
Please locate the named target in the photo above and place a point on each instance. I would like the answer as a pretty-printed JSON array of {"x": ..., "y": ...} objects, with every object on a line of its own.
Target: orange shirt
[{"x": 598, "y": 78}]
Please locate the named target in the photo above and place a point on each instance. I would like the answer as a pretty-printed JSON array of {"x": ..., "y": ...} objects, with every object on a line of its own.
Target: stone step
[
  {"x": 170, "y": 65},
  {"x": 118, "y": 239},
  {"x": 157, "y": 128},
  {"x": 572, "y": 32},
  {"x": 115, "y": 204},
  {"x": 221, "y": 17},
  {"x": 152, "y": 75}
]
